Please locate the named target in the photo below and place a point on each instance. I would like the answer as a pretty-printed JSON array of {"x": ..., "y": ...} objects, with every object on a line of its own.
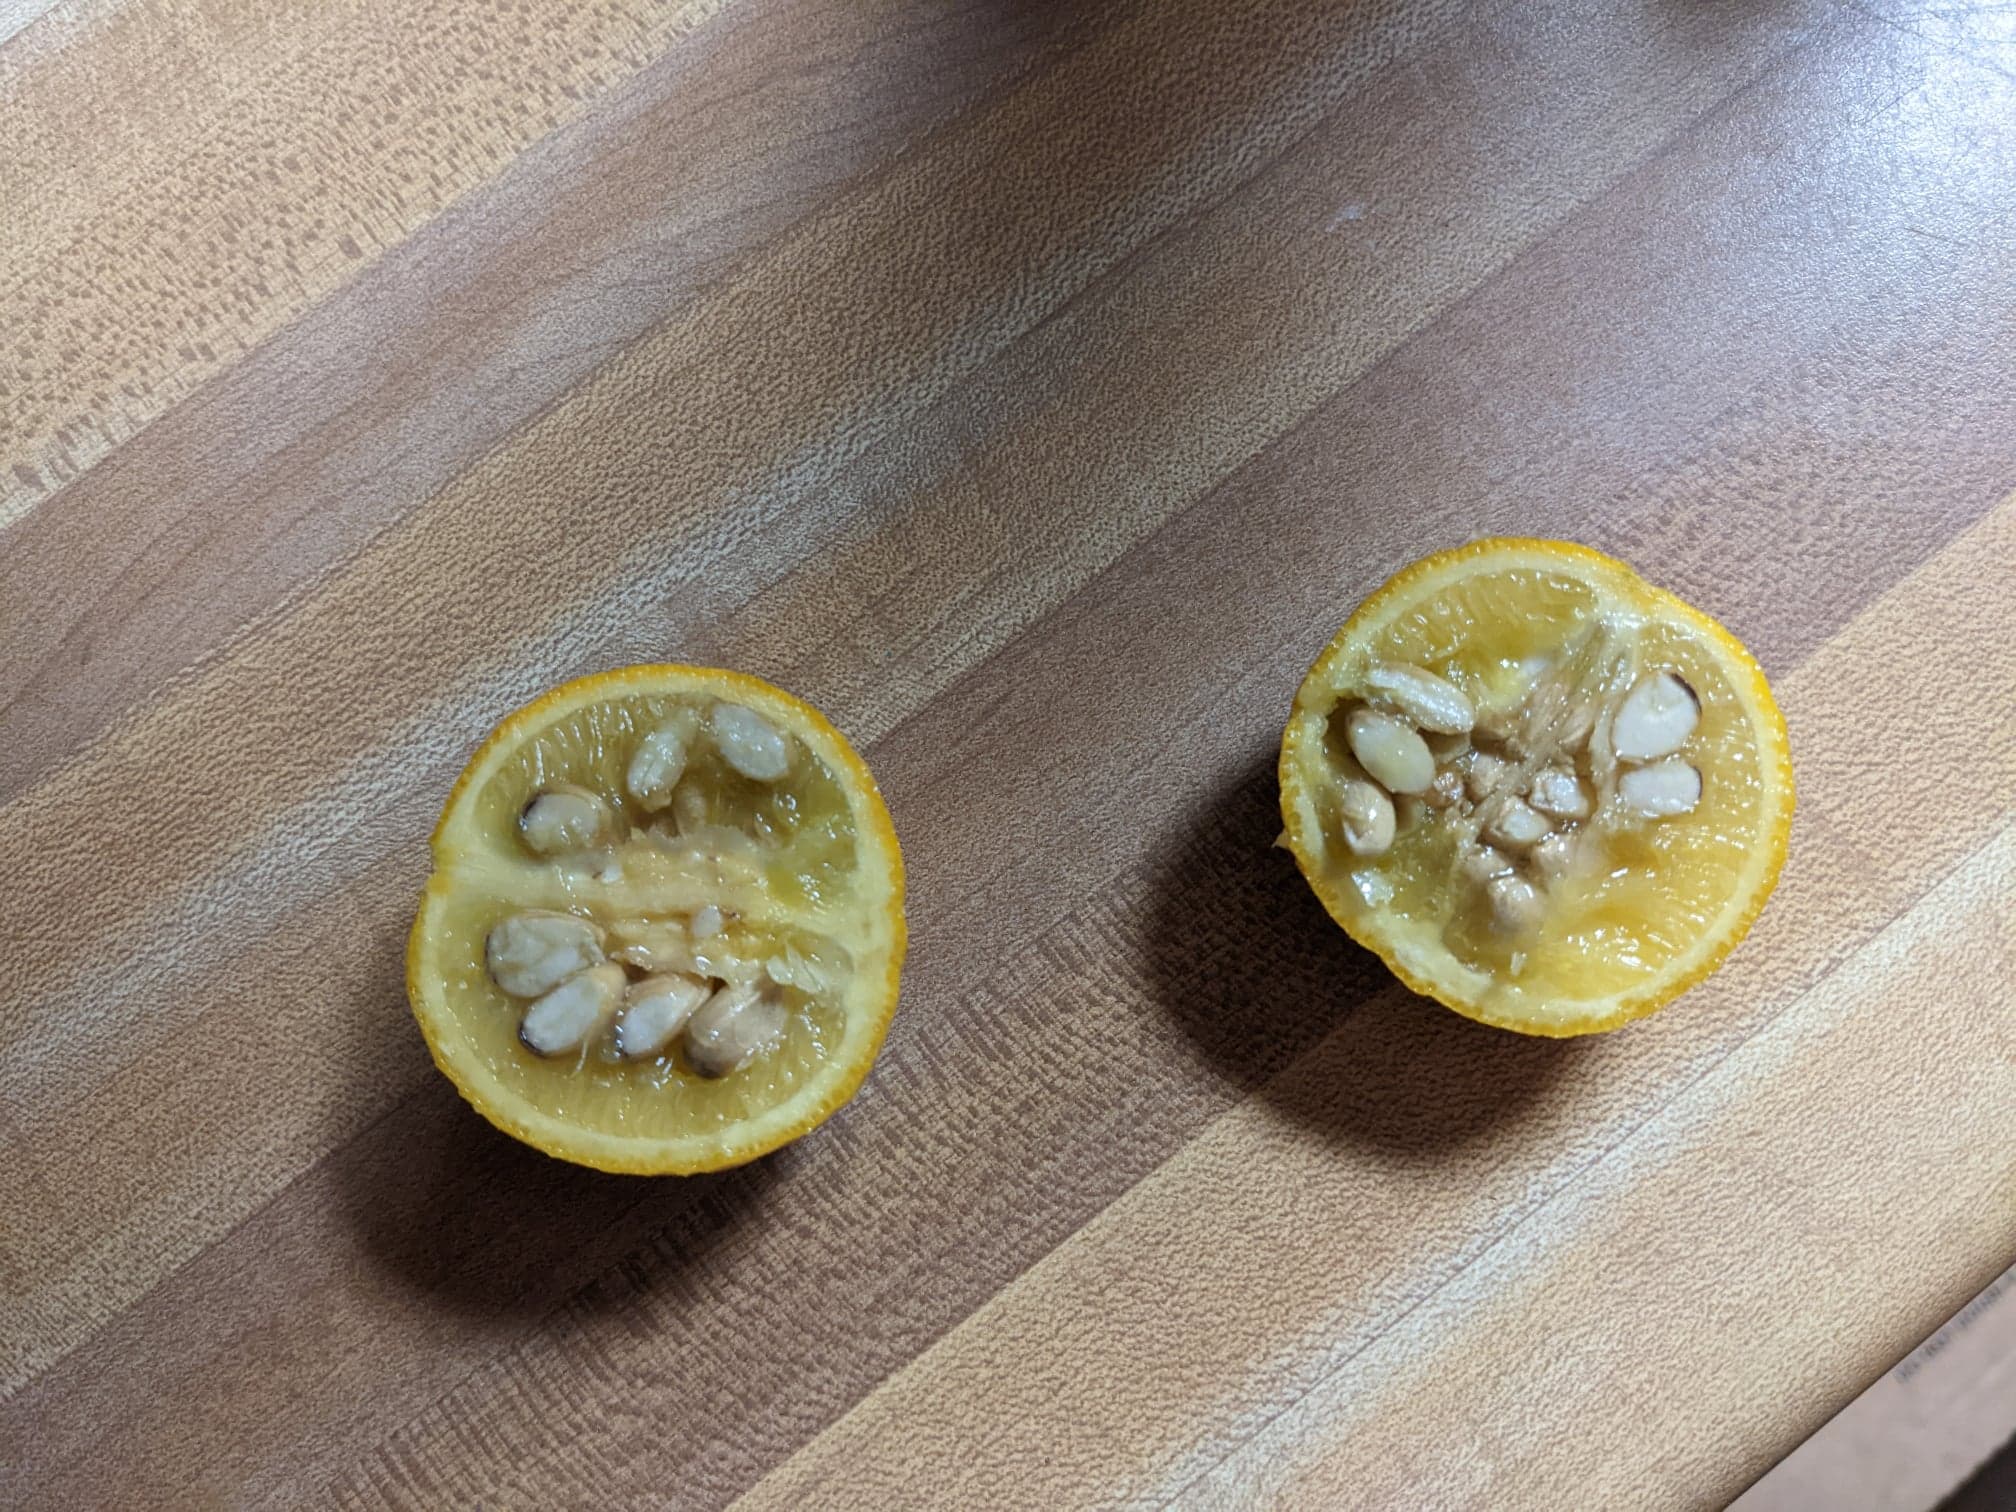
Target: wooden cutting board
[{"x": 1034, "y": 386}]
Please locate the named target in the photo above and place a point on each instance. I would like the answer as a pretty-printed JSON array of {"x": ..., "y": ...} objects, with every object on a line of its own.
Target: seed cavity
[
  {"x": 1554, "y": 859},
  {"x": 1487, "y": 776},
  {"x": 565, "y": 818},
  {"x": 655, "y": 1010},
  {"x": 1602, "y": 757},
  {"x": 530, "y": 952},
  {"x": 1515, "y": 824},
  {"x": 748, "y": 742},
  {"x": 1365, "y": 815},
  {"x": 1431, "y": 702},
  {"x": 1499, "y": 723},
  {"x": 1661, "y": 790},
  {"x": 1561, "y": 707},
  {"x": 690, "y": 809},
  {"x": 651, "y": 945},
  {"x": 1529, "y": 786},
  {"x": 1516, "y": 906},
  {"x": 690, "y": 964},
  {"x": 1558, "y": 792},
  {"x": 1391, "y": 751},
  {"x": 660, "y": 760},
  {"x": 733, "y": 1027},
  {"x": 809, "y": 973},
  {"x": 1480, "y": 863},
  {"x": 1578, "y": 723},
  {"x": 1655, "y": 719},
  {"x": 1447, "y": 749},
  {"x": 573, "y": 1013},
  {"x": 1446, "y": 791}
]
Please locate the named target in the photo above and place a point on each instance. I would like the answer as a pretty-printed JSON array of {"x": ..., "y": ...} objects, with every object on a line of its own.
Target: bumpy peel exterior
[
  {"x": 1449, "y": 983},
  {"x": 875, "y": 1000}
]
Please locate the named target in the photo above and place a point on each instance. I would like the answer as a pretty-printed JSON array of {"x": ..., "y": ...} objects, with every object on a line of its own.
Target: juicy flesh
[
  {"x": 1642, "y": 893},
  {"x": 779, "y": 860}
]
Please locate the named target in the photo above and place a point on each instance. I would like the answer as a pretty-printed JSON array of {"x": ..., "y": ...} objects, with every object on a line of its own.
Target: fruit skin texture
[
  {"x": 1613, "y": 576},
  {"x": 874, "y": 829}
]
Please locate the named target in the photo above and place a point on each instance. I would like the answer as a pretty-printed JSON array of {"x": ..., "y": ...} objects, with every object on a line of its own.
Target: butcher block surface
[{"x": 1034, "y": 386}]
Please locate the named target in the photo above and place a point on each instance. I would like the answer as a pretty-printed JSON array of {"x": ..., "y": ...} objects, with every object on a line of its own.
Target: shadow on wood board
[{"x": 1246, "y": 962}]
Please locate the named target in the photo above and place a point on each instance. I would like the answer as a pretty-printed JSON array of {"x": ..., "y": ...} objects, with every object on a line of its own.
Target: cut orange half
[
  {"x": 665, "y": 924},
  {"x": 1546, "y": 793}
]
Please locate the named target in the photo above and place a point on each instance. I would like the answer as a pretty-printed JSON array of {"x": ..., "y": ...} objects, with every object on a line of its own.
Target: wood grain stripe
[
  {"x": 1710, "y": 1272},
  {"x": 16, "y": 16},
  {"x": 1102, "y": 1372},
  {"x": 242, "y": 183},
  {"x": 296, "y": 458}
]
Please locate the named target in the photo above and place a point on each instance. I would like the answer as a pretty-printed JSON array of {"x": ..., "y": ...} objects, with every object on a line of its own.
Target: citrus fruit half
[
  {"x": 1546, "y": 793},
  {"x": 665, "y": 922}
]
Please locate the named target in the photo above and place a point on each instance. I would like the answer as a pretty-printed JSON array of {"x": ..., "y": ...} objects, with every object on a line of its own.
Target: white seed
[
  {"x": 707, "y": 922},
  {"x": 1487, "y": 774},
  {"x": 1554, "y": 859},
  {"x": 1480, "y": 863},
  {"x": 565, "y": 818},
  {"x": 1556, "y": 791},
  {"x": 1655, "y": 718},
  {"x": 1433, "y": 703},
  {"x": 1515, "y": 824},
  {"x": 660, "y": 760},
  {"x": 1365, "y": 814},
  {"x": 574, "y": 1012},
  {"x": 1516, "y": 907},
  {"x": 1660, "y": 790},
  {"x": 1391, "y": 750},
  {"x": 733, "y": 1027},
  {"x": 654, "y": 1010},
  {"x": 749, "y": 743},
  {"x": 532, "y": 951}
]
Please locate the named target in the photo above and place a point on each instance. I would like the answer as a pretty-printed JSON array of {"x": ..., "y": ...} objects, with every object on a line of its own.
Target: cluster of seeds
[
  {"x": 631, "y": 997},
  {"x": 1524, "y": 785}
]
